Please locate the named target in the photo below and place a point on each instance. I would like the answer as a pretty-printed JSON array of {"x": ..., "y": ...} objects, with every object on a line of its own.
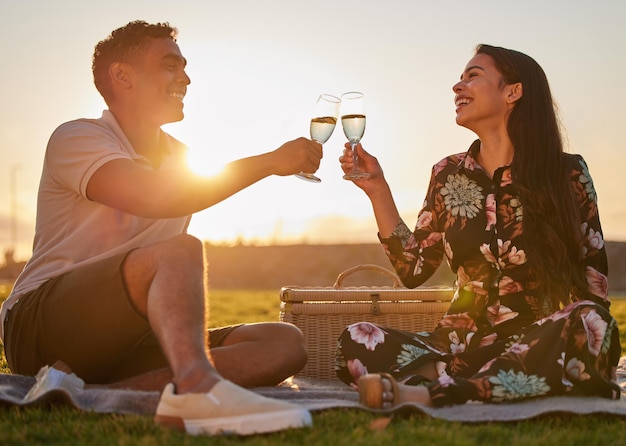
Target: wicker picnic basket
[{"x": 322, "y": 313}]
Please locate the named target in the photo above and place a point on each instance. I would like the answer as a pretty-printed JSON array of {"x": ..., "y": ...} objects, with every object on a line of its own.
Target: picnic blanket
[{"x": 315, "y": 395}]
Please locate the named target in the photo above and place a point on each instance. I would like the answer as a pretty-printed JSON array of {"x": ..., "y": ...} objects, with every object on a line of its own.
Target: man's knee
[
  {"x": 186, "y": 246},
  {"x": 181, "y": 253}
]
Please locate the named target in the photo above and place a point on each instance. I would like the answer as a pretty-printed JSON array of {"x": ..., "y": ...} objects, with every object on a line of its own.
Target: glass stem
[{"x": 355, "y": 157}]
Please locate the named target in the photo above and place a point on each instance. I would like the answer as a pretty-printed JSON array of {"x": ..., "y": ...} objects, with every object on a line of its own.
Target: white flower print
[
  {"x": 418, "y": 266},
  {"x": 462, "y": 196},
  {"x": 595, "y": 239},
  {"x": 583, "y": 227},
  {"x": 586, "y": 181},
  {"x": 595, "y": 327},
  {"x": 456, "y": 346},
  {"x": 519, "y": 209},
  {"x": 561, "y": 361},
  {"x": 455, "y": 343},
  {"x": 575, "y": 370},
  {"x": 367, "y": 334}
]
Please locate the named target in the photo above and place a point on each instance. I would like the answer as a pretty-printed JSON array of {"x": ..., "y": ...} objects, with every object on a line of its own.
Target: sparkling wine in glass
[
  {"x": 322, "y": 125},
  {"x": 353, "y": 123}
]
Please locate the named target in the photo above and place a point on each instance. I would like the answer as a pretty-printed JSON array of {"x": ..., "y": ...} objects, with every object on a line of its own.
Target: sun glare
[{"x": 200, "y": 163}]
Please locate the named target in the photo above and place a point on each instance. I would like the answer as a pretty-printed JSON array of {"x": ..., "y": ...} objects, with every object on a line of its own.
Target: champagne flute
[
  {"x": 353, "y": 123},
  {"x": 322, "y": 125}
]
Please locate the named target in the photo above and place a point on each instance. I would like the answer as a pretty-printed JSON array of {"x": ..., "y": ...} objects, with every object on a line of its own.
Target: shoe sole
[{"x": 250, "y": 424}]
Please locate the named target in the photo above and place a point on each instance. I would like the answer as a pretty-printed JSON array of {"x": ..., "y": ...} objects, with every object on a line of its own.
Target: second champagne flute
[
  {"x": 353, "y": 123},
  {"x": 322, "y": 125}
]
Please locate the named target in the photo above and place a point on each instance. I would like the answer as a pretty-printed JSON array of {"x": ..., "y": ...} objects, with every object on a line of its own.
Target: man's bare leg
[
  {"x": 165, "y": 282},
  {"x": 261, "y": 354},
  {"x": 252, "y": 355}
]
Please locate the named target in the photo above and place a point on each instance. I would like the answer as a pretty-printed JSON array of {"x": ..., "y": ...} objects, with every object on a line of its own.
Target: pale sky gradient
[{"x": 257, "y": 68}]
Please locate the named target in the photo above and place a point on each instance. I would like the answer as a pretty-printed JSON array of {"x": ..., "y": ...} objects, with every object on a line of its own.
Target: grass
[{"x": 66, "y": 426}]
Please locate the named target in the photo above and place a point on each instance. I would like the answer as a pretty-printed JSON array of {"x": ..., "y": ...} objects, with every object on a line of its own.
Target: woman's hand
[
  {"x": 366, "y": 163},
  {"x": 376, "y": 188}
]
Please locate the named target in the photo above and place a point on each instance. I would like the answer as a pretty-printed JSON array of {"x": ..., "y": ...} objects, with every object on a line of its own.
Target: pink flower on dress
[
  {"x": 432, "y": 239},
  {"x": 456, "y": 346},
  {"x": 595, "y": 327},
  {"x": 411, "y": 243},
  {"x": 462, "y": 277},
  {"x": 440, "y": 166},
  {"x": 424, "y": 219},
  {"x": 517, "y": 257},
  {"x": 477, "y": 287},
  {"x": 595, "y": 239},
  {"x": 558, "y": 315},
  {"x": 598, "y": 283},
  {"x": 367, "y": 334},
  {"x": 356, "y": 369},
  {"x": 575, "y": 370},
  {"x": 497, "y": 314},
  {"x": 490, "y": 208},
  {"x": 445, "y": 380},
  {"x": 487, "y": 365},
  {"x": 507, "y": 286},
  {"x": 488, "y": 340},
  {"x": 458, "y": 320},
  {"x": 518, "y": 348},
  {"x": 469, "y": 162},
  {"x": 486, "y": 251},
  {"x": 503, "y": 246},
  {"x": 506, "y": 178}
]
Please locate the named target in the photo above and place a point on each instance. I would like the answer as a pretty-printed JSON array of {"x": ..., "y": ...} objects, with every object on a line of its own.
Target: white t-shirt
[{"x": 71, "y": 230}]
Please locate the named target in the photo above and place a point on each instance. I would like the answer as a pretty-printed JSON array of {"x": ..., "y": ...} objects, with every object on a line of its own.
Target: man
[{"x": 115, "y": 286}]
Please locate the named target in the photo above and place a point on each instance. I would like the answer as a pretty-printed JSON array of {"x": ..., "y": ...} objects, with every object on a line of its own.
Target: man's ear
[
  {"x": 515, "y": 92},
  {"x": 120, "y": 74}
]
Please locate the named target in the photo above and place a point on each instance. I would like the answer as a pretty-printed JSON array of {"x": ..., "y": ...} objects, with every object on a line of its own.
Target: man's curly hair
[{"x": 125, "y": 44}]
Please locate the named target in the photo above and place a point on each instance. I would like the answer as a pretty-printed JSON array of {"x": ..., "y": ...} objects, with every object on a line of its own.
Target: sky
[{"x": 257, "y": 68}]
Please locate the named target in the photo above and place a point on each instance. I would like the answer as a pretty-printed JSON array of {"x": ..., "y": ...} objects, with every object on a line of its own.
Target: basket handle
[{"x": 367, "y": 266}]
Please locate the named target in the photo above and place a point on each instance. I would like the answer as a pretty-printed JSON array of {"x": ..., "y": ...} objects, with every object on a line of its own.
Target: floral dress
[{"x": 500, "y": 339}]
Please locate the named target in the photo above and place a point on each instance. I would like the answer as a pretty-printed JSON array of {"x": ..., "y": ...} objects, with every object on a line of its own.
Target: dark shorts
[{"x": 85, "y": 318}]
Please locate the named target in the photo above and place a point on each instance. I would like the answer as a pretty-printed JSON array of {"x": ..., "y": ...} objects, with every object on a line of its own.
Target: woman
[{"x": 517, "y": 221}]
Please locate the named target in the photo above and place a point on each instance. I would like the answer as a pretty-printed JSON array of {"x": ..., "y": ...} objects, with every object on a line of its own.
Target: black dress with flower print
[{"x": 500, "y": 339}]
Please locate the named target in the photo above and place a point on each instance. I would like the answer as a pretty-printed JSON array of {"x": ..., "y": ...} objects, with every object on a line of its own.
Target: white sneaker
[
  {"x": 51, "y": 378},
  {"x": 228, "y": 409}
]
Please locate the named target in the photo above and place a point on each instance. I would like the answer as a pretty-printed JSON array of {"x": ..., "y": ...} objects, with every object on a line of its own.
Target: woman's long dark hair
[{"x": 551, "y": 218}]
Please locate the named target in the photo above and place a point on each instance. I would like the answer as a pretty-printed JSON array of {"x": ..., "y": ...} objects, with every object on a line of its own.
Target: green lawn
[{"x": 64, "y": 426}]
